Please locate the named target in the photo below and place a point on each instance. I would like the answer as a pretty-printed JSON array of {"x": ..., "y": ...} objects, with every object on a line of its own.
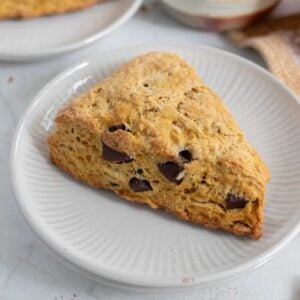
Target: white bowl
[{"x": 219, "y": 15}]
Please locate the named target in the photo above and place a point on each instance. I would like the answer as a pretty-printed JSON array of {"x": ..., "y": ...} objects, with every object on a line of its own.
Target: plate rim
[
  {"x": 46, "y": 53},
  {"x": 133, "y": 283}
]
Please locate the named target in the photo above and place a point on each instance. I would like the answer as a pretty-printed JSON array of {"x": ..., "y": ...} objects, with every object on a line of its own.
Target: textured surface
[
  {"x": 27, "y": 270},
  {"x": 137, "y": 245},
  {"x": 35, "y": 8},
  {"x": 129, "y": 132},
  {"x": 277, "y": 37}
]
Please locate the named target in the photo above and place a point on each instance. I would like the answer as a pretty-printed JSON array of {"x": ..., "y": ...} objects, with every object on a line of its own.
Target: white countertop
[{"x": 27, "y": 271}]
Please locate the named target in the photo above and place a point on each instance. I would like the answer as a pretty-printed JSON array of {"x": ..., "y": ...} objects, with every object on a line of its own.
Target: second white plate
[
  {"x": 128, "y": 243},
  {"x": 38, "y": 38}
]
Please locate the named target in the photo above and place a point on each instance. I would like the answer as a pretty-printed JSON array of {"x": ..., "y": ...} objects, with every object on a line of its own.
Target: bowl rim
[{"x": 192, "y": 13}]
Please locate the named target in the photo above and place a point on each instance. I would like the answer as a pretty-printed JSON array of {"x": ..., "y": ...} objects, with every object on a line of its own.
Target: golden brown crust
[
  {"x": 24, "y": 9},
  {"x": 164, "y": 108}
]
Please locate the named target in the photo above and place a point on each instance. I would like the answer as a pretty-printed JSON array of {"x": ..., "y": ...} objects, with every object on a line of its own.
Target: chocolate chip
[
  {"x": 139, "y": 185},
  {"x": 172, "y": 171},
  {"x": 113, "y": 155},
  {"x": 140, "y": 171},
  {"x": 127, "y": 161},
  {"x": 234, "y": 201},
  {"x": 185, "y": 155},
  {"x": 117, "y": 127}
]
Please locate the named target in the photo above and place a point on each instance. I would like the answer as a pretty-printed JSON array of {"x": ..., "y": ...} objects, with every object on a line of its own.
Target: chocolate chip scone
[
  {"x": 154, "y": 133},
  {"x": 33, "y": 8}
]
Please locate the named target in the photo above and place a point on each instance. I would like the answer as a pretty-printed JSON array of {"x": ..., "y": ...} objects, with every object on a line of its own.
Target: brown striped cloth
[{"x": 278, "y": 41}]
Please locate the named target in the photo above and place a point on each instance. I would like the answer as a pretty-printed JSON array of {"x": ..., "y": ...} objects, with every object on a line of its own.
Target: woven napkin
[{"x": 278, "y": 41}]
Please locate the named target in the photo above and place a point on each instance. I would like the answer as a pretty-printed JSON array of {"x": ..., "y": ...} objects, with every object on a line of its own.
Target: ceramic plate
[
  {"x": 42, "y": 37},
  {"x": 133, "y": 245}
]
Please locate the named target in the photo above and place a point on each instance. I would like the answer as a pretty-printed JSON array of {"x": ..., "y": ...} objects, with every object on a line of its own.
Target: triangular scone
[
  {"x": 33, "y": 8},
  {"x": 154, "y": 133}
]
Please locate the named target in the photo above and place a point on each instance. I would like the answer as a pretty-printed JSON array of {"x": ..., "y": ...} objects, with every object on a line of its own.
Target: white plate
[
  {"x": 132, "y": 244},
  {"x": 42, "y": 37}
]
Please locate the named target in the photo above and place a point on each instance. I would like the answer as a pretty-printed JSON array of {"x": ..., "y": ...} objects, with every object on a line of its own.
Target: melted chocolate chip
[
  {"x": 185, "y": 155},
  {"x": 172, "y": 171},
  {"x": 234, "y": 201},
  {"x": 139, "y": 185},
  {"x": 117, "y": 127},
  {"x": 127, "y": 161},
  {"x": 113, "y": 155}
]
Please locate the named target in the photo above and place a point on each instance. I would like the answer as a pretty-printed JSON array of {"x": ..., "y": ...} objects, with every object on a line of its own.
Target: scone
[
  {"x": 154, "y": 133},
  {"x": 33, "y": 8}
]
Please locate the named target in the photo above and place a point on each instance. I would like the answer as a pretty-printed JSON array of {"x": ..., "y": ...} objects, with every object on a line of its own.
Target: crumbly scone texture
[
  {"x": 154, "y": 133},
  {"x": 13, "y": 9}
]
